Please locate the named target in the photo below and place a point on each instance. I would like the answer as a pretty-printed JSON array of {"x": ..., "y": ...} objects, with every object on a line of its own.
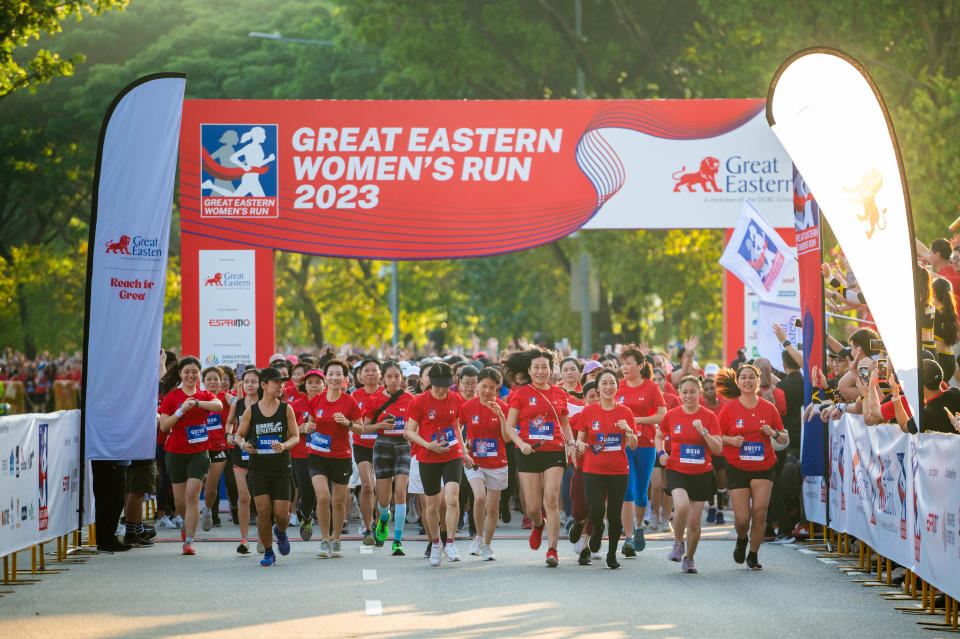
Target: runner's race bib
[
  {"x": 399, "y": 423},
  {"x": 372, "y": 435},
  {"x": 485, "y": 448},
  {"x": 752, "y": 451},
  {"x": 691, "y": 454},
  {"x": 244, "y": 455},
  {"x": 197, "y": 434},
  {"x": 446, "y": 436},
  {"x": 611, "y": 442},
  {"x": 214, "y": 421},
  {"x": 320, "y": 442},
  {"x": 541, "y": 429},
  {"x": 265, "y": 443}
]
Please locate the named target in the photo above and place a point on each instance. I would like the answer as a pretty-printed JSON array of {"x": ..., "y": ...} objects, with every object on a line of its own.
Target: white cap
[
  {"x": 710, "y": 370},
  {"x": 275, "y": 357}
]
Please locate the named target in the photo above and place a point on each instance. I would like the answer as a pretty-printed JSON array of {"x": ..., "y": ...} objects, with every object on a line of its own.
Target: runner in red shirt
[
  {"x": 183, "y": 414},
  {"x": 431, "y": 424},
  {"x": 311, "y": 384},
  {"x": 250, "y": 386},
  {"x": 486, "y": 437},
  {"x": 538, "y": 413},
  {"x": 210, "y": 515},
  {"x": 570, "y": 376},
  {"x": 579, "y": 511},
  {"x": 334, "y": 415},
  {"x": 709, "y": 400},
  {"x": 605, "y": 432},
  {"x": 368, "y": 375},
  {"x": 694, "y": 433},
  {"x": 748, "y": 424}
]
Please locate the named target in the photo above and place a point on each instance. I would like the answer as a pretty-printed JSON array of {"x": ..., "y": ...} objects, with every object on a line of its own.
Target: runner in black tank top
[{"x": 268, "y": 430}]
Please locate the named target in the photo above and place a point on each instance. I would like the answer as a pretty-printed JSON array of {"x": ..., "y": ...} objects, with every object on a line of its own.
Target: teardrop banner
[{"x": 829, "y": 115}]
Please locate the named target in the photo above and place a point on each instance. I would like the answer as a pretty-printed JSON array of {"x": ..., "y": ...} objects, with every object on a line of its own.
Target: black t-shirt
[
  {"x": 264, "y": 430},
  {"x": 934, "y": 418},
  {"x": 792, "y": 387}
]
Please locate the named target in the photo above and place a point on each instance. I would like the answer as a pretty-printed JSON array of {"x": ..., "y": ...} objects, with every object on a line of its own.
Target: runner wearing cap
[
  {"x": 250, "y": 386},
  {"x": 333, "y": 415},
  {"x": 539, "y": 411},
  {"x": 590, "y": 370},
  {"x": 710, "y": 401},
  {"x": 368, "y": 377},
  {"x": 431, "y": 424},
  {"x": 183, "y": 414},
  {"x": 267, "y": 431},
  {"x": 694, "y": 433},
  {"x": 749, "y": 425},
  {"x": 385, "y": 415},
  {"x": 311, "y": 385},
  {"x": 212, "y": 380}
]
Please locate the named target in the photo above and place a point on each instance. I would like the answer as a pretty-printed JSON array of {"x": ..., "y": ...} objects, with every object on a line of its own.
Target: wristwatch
[{"x": 786, "y": 343}]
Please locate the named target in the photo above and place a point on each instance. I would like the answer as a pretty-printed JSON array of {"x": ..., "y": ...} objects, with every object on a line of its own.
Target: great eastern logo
[
  {"x": 706, "y": 177},
  {"x": 865, "y": 194}
]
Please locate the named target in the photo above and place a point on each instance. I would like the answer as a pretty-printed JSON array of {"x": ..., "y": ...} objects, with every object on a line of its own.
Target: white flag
[
  {"x": 757, "y": 254},
  {"x": 786, "y": 317}
]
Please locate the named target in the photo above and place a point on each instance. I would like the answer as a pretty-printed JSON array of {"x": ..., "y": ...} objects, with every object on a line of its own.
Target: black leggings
[
  {"x": 613, "y": 487},
  {"x": 308, "y": 498}
]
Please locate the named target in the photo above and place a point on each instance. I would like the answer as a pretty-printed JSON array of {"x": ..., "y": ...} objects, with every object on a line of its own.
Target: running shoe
[
  {"x": 628, "y": 549},
  {"x": 336, "y": 550},
  {"x": 137, "y": 541},
  {"x": 306, "y": 530},
  {"x": 269, "y": 559},
  {"x": 752, "y": 562},
  {"x": 711, "y": 515},
  {"x": 612, "y": 562},
  {"x": 720, "y": 520},
  {"x": 552, "y": 559},
  {"x": 740, "y": 551},
  {"x": 450, "y": 552},
  {"x": 324, "y": 551},
  {"x": 536, "y": 536},
  {"x": 476, "y": 546},
  {"x": 242, "y": 548},
  {"x": 687, "y": 565},
  {"x": 584, "y": 559},
  {"x": 206, "y": 520},
  {"x": 639, "y": 541},
  {"x": 188, "y": 548},
  {"x": 784, "y": 539},
  {"x": 527, "y": 523},
  {"x": 435, "y": 552},
  {"x": 576, "y": 530},
  {"x": 487, "y": 554},
  {"x": 260, "y": 547},
  {"x": 380, "y": 528},
  {"x": 398, "y": 549},
  {"x": 676, "y": 554},
  {"x": 580, "y": 545},
  {"x": 653, "y": 526},
  {"x": 216, "y": 519},
  {"x": 800, "y": 531},
  {"x": 165, "y": 522},
  {"x": 121, "y": 530},
  {"x": 596, "y": 537},
  {"x": 368, "y": 539},
  {"x": 149, "y": 532},
  {"x": 177, "y": 521},
  {"x": 283, "y": 543},
  {"x": 378, "y": 544},
  {"x": 505, "y": 513},
  {"x": 294, "y": 520},
  {"x": 595, "y": 556}
]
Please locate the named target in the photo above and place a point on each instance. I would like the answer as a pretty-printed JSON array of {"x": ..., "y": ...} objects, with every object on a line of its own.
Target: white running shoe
[
  {"x": 177, "y": 521},
  {"x": 435, "y": 552},
  {"x": 165, "y": 523},
  {"x": 450, "y": 552},
  {"x": 121, "y": 530},
  {"x": 294, "y": 520},
  {"x": 487, "y": 554},
  {"x": 324, "y": 551},
  {"x": 260, "y": 547},
  {"x": 336, "y": 550},
  {"x": 206, "y": 519},
  {"x": 580, "y": 545},
  {"x": 595, "y": 555},
  {"x": 476, "y": 546}
]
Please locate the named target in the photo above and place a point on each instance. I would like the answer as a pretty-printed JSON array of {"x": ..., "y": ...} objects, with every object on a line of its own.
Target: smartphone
[
  {"x": 864, "y": 373},
  {"x": 882, "y": 368},
  {"x": 877, "y": 345}
]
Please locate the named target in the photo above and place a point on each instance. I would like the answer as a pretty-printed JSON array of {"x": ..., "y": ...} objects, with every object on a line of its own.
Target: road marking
[
  {"x": 826, "y": 560},
  {"x": 366, "y": 550},
  {"x": 807, "y": 552},
  {"x": 369, "y": 574},
  {"x": 374, "y": 607}
]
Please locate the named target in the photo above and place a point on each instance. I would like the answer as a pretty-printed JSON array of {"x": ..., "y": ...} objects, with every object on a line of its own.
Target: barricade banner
[
  {"x": 938, "y": 511},
  {"x": 839, "y": 475},
  {"x": 815, "y": 499}
]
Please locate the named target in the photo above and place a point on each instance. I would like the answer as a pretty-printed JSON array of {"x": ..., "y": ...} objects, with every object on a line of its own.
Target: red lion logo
[
  {"x": 706, "y": 177},
  {"x": 216, "y": 280},
  {"x": 123, "y": 246}
]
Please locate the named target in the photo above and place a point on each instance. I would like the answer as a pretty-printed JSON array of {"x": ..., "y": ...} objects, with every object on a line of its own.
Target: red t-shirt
[
  {"x": 716, "y": 409},
  {"x": 484, "y": 437},
  {"x": 290, "y": 392},
  {"x": 668, "y": 387},
  {"x": 889, "y": 411},
  {"x": 756, "y": 453},
  {"x": 689, "y": 453},
  {"x": 671, "y": 400},
  {"x": 950, "y": 274},
  {"x": 363, "y": 398},
  {"x": 215, "y": 425},
  {"x": 779, "y": 399},
  {"x": 643, "y": 401},
  {"x": 189, "y": 433},
  {"x": 329, "y": 438},
  {"x": 301, "y": 410},
  {"x": 607, "y": 441},
  {"x": 398, "y": 410},
  {"x": 437, "y": 419},
  {"x": 540, "y": 413}
]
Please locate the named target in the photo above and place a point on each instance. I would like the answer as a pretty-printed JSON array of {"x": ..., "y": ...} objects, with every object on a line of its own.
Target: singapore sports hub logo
[{"x": 239, "y": 170}]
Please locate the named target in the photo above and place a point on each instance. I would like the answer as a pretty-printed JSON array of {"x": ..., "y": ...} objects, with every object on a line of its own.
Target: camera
[
  {"x": 876, "y": 345},
  {"x": 882, "y": 368}
]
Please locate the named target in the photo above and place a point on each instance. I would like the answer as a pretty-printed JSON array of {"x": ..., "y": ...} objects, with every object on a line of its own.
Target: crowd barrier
[{"x": 897, "y": 493}]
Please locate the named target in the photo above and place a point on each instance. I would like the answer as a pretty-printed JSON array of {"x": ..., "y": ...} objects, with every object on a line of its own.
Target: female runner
[
  {"x": 643, "y": 397},
  {"x": 539, "y": 409},
  {"x": 183, "y": 414},
  {"x": 660, "y": 510},
  {"x": 692, "y": 429},
  {"x": 213, "y": 381},
  {"x": 368, "y": 378},
  {"x": 749, "y": 425},
  {"x": 605, "y": 432},
  {"x": 570, "y": 376},
  {"x": 250, "y": 386},
  {"x": 268, "y": 430},
  {"x": 311, "y": 385}
]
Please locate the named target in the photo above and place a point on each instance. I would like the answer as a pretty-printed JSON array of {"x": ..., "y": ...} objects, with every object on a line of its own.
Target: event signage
[
  {"x": 830, "y": 117},
  {"x": 227, "y": 307},
  {"x": 756, "y": 254},
  {"x": 127, "y": 268}
]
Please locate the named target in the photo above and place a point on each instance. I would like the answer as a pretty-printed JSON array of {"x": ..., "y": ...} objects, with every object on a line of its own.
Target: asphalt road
[{"x": 157, "y": 592}]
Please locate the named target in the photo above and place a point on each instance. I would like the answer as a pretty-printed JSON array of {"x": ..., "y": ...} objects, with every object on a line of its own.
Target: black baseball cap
[
  {"x": 270, "y": 374},
  {"x": 441, "y": 375}
]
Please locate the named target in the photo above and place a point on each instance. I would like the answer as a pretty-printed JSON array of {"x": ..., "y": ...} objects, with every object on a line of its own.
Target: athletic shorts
[
  {"x": 719, "y": 462},
  {"x": 414, "y": 485},
  {"x": 218, "y": 456},
  {"x": 737, "y": 478},
  {"x": 142, "y": 476},
  {"x": 540, "y": 460},
  {"x": 363, "y": 454},
  {"x": 432, "y": 474},
  {"x": 238, "y": 460},
  {"x": 493, "y": 478},
  {"x": 275, "y": 484},
  {"x": 184, "y": 466},
  {"x": 391, "y": 457},
  {"x": 336, "y": 470},
  {"x": 699, "y": 487}
]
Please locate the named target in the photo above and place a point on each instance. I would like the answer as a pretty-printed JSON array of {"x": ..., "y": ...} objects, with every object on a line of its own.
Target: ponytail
[
  {"x": 726, "y": 382},
  {"x": 646, "y": 371}
]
